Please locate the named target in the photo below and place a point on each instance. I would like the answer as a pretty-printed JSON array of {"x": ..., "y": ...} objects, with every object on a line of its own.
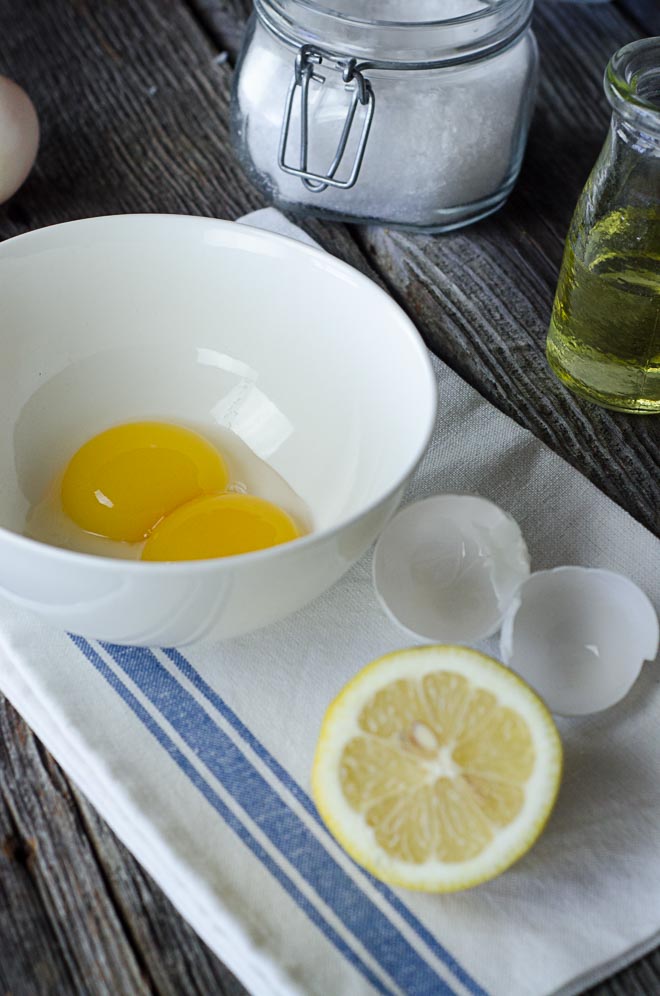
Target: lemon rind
[{"x": 510, "y": 844}]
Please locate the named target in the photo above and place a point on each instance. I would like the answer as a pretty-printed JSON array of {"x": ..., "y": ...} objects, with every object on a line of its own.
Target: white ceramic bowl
[{"x": 201, "y": 322}]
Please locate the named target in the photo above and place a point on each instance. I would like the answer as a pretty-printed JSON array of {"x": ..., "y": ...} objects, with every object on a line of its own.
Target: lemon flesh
[{"x": 436, "y": 768}]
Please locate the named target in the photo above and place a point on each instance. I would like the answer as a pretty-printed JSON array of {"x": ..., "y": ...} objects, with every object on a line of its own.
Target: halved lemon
[{"x": 436, "y": 768}]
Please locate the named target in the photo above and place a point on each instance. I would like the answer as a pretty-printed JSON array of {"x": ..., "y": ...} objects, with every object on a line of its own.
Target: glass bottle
[
  {"x": 413, "y": 114},
  {"x": 604, "y": 338}
]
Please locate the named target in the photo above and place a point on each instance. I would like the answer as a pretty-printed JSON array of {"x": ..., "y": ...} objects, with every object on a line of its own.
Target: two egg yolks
[{"x": 165, "y": 484}]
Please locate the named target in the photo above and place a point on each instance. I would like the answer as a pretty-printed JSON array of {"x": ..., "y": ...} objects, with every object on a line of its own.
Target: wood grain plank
[
  {"x": 160, "y": 143},
  {"x": 134, "y": 113},
  {"x": 77, "y": 913},
  {"x": 225, "y": 22},
  {"x": 575, "y": 150},
  {"x": 134, "y": 108},
  {"x": 55, "y": 917},
  {"x": 172, "y": 956},
  {"x": 482, "y": 296},
  {"x": 640, "y": 979},
  {"x": 645, "y": 14}
]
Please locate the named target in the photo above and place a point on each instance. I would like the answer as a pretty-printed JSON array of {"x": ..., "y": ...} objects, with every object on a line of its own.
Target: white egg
[{"x": 19, "y": 137}]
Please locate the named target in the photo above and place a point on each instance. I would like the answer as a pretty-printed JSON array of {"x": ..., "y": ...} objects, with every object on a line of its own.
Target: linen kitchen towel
[{"x": 200, "y": 761}]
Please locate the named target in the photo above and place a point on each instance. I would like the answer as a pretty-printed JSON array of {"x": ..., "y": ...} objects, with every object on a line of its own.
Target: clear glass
[
  {"x": 453, "y": 93},
  {"x": 604, "y": 338}
]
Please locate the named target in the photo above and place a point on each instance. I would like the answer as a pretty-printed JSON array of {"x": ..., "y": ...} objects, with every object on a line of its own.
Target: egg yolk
[
  {"x": 121, "y": 483},
  {"x": 219, "y": 526}
]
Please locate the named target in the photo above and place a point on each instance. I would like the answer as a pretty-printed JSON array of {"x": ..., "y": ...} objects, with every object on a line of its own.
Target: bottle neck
[
  {"x": 632, "y": 86},
  {"x": 443, "y": 32},
  {"x": 633, "y": 138}
]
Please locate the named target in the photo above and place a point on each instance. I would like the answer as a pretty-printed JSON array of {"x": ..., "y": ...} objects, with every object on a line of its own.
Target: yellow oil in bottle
[{"x": 604, "y": 338}]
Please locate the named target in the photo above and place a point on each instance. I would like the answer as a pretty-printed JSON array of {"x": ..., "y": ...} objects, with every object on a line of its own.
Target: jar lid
[{"x": 428, "y": 33}]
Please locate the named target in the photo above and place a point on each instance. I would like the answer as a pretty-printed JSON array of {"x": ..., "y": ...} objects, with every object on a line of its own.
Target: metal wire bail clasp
[{"x": 363, "y": 96}]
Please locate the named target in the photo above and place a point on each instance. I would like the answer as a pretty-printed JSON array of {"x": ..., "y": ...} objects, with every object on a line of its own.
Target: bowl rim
[{"x": 153, "y": 568}]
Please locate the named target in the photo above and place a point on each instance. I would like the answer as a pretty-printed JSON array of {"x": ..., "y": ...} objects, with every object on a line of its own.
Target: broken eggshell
[
  {"x": 579, "y": 637},
  {"x": 446, "y": 568}
]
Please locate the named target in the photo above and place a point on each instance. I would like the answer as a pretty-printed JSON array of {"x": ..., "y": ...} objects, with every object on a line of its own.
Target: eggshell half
[
  {"x": 446, "y": 568},
  {"x": 579, "y": 637}
]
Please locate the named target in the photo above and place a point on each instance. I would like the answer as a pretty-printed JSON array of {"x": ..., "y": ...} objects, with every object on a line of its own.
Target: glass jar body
[
  {"x": 444, "y": 148},
  {"x": 604, "y": 336}
]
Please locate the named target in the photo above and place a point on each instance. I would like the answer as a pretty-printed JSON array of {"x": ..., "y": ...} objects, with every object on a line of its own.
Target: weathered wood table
[{"x": 133, "y": 99}]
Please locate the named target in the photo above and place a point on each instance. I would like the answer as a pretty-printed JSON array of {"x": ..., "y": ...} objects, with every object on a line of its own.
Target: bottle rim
[
  {"x": 486, "y": 27},
  {"x": 632, "y": 83}
]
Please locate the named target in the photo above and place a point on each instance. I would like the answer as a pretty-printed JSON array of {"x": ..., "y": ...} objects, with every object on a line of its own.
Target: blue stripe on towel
[
  {"x": 230, "y": 819},
  {"x": 186, "y": 668},
  {"x": 282, "y": 826}
]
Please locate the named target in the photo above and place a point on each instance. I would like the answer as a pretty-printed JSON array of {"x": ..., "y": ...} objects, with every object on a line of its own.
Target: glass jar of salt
[{"x": 403, "y": 112}]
